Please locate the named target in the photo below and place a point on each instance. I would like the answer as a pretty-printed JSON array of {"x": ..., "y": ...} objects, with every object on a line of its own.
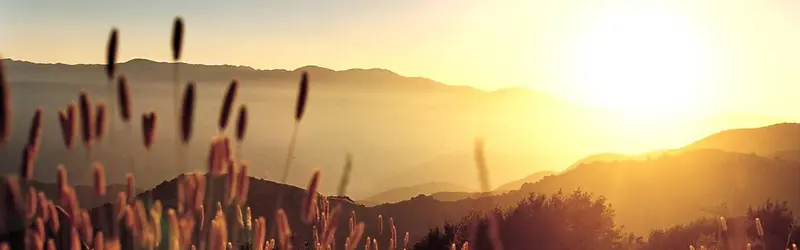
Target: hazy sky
[{"x": 637, "y": 57}]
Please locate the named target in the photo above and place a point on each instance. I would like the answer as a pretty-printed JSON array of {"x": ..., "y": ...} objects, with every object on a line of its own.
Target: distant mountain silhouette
[
  {"x": 612, "y": 157},
  {"x": 765, "y": 141},
  {"x": 149, "y": 71},
  {"x": 373, "y": 113},
  {"x": 408, "y": 192},
  {"x": 514, "y": 185}
]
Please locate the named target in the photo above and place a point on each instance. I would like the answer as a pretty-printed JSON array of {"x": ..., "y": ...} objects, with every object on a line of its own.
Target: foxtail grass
[
  {"x": 86, "y": 120},
  {"x": 348, "y": 167},
  {"x": 28, "y": 163},
  {"x": 149, "y": 129},
  {"x": 66, "y": 122},
  {"x": 187, "y": 112},
  {"x": 177, "y": 45},
  {"x": 355, "y": 236},
  {"x": 310, "y": 201},
  {"x": 483, "y": 177},
  {"x": 101, "y": 119},
  {"x": 380, "y": 224},
  {"x": 185, "y": 127},
  {"x": 35, "y": 130},
  {"x": 299, "y": 111},
  {"x": 123, "y": 99},
  {"x": 149, "y": 120},
  {"x": 405, "y": 242},
  {"x": 242, "y": 184},
  {"x": 227, "y": 105},
  {"x": 241, "y": 129},
  {"x": 31, "y": 149},
  {"x": 111, "y": 65},
  {"x": 300, "y": 107}
]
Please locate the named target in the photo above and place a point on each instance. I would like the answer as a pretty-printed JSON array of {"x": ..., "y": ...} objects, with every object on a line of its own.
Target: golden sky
[{"x": 643, "y": 59}]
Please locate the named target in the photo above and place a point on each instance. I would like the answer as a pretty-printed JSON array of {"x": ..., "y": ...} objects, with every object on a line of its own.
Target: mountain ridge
[{"x": 315, "y": 71}]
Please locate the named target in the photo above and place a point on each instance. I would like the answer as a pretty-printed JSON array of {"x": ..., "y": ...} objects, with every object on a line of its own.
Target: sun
[{"x": 643, "y": 63}]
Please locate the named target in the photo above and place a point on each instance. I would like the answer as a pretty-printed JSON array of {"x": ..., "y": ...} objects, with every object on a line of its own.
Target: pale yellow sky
[{"x": 642, "y": 58}]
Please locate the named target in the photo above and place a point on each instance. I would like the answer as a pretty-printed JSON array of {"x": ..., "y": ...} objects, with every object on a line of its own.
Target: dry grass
[
  {"x": 149, "y": 128},
  {"x": 187, "y": 113},
  {"x": 86, "y": 115},
  {"x": 123, "y": 98},
  {"x": 227, "y": 104}
]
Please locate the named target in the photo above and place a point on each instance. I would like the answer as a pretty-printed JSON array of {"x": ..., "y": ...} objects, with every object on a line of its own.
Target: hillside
[
  {"x": 764, "y": 141},
  {"x": 612, "y": 157},
  {"x": 408, "y": 192},
  {"x": 514, "y": 185},
  {"x": 674, "y": 188}
]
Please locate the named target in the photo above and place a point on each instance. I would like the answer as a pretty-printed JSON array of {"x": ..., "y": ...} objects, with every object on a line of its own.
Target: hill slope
[
  {"x": 408, "y": 192},
  {"x": 763, "y": 141},
  {"x": 674, "y": 188},
  {"x": 514, "y": 185}
]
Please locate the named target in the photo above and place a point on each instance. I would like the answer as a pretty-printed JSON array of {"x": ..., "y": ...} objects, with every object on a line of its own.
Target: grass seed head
[
  {"x": 72, "y": 120},
  {"x": 67, "y": 132},
  {"x": 405, "y": 241},
  {"x": 43, "y": 206},
  {"x": 100, "y": 121},
  {"x": 241, "y": 123},
  {"x": 302, "y": 96},
  {"x": 86, "y": 226},
  {"x": 99, "y": 179},
  {"x": 130, "y": 185},
  {"x": 284, "y": 230},
  {"x": 123, "y": 98},
  {"x": 261, "y": 232},
  {"x": 149, "y": 128},
  {"x": 30, "y": 208},
  {"x": 120, "y": 205},
  {"x": 98, "y": 241},
  {"x": 14, "y": 203},
  {"x": 759, "y": 228},
  {"x": 355, "y": 236},
  {"x": 243, "y": 184},
  {"x": 35, "y": 131},
  {"x": 187, "y": 112},
  {"x": 348, "y": 167},
  {"x": 111, "y": 54},
  {"x": 85, "y": 106},
  {"x": 380, "y": 224},
  {"x": 177, "y": 38},
  {"x": 55, "y": 223},
  {"x": 227, "y": 104},
  {"x": 61, "y": 177},
  {"x": 28, "y": 162},
  {"x": 310, "y": 201}
]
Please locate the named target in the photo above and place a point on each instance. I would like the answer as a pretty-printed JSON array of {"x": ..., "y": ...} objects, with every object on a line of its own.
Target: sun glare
[{"x": 644, "y": 63}]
